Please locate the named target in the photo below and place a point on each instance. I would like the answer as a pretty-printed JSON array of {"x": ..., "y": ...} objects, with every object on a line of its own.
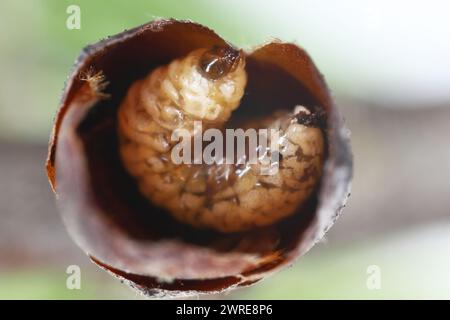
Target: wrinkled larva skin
[{"x": 223, "y": 197}]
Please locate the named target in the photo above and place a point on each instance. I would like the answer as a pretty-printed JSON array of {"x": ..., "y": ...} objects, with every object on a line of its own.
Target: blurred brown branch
[{"x": 402, "y": 178}]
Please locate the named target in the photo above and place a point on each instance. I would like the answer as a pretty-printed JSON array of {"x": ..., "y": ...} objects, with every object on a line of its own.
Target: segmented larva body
[{"x": 207, "y": 85}]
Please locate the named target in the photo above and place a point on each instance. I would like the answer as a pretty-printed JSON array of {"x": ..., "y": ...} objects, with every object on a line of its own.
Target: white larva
[{"x": 223, "y": 197}]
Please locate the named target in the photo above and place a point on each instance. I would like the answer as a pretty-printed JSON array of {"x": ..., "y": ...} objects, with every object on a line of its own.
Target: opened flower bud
[{"x": 173, "y": 215}]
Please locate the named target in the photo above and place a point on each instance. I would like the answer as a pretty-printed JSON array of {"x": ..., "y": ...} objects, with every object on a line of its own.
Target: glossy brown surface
[{"x": 218, "y": 61}]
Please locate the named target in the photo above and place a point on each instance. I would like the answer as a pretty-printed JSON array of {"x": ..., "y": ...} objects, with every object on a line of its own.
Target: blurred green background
[{"x": 389, "y": 70}]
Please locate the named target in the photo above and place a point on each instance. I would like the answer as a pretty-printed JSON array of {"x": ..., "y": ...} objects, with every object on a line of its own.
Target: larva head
[
  {"x": 219, "y": 61},
  {"x": 212, "y": 82}
]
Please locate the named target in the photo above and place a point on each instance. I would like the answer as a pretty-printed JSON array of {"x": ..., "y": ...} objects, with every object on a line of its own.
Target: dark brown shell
[{"x": 120, "y": 231}]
